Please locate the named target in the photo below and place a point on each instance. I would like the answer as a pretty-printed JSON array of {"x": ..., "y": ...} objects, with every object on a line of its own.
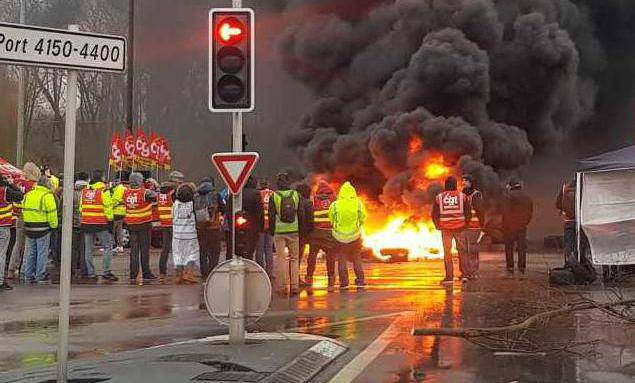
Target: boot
[
  {"x": 179, "y": 276},
  {"x": 163, "y": 278},
  {"x": 188, "y": 277}
]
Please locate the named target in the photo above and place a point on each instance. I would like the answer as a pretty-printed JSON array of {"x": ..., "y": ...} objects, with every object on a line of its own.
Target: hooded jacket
[
  {"x": 347, "y": 215},
  {"x": 322, "y": 200}
]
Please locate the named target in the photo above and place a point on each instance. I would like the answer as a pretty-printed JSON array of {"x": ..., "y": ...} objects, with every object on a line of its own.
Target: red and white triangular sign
[{"x": 235, "y": 168}]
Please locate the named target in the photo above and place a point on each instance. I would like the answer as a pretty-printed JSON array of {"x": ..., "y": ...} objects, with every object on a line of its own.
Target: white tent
[{"x": 605, "y": 202}]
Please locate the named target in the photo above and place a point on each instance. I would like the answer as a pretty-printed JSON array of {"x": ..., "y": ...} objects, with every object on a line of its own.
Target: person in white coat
[{"x": 185, "y": 247}]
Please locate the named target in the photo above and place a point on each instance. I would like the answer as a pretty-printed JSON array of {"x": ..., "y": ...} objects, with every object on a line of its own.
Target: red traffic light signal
[
  {"x": 241, "y": 220},
  {"x": 231, "y": 60},
  {"x": 230, "y": 31}
]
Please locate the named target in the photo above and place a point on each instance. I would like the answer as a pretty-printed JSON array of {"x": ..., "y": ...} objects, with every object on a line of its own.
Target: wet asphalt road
[{"x": 118, "y": 317}]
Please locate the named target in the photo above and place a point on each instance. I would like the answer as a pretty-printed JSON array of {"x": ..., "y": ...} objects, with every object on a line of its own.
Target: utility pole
[
  {"x": 130, "y": 79},
  {"x": 19, "y": 155}
]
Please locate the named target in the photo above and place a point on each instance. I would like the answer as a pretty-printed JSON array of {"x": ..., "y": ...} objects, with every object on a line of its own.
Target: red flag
[
  {"x": 164, "y": 154},
  {"x": 129, "y": 148},
  {"x": 155, "y": 149},
  {"x": 142, "y": 150},
  {"x": 116, "y": 158}
]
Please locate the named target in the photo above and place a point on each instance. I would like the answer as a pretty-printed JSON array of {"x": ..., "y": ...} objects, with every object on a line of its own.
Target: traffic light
[
  {"x": 231, "y": 60},
  {"x": 242, "y": 224}
]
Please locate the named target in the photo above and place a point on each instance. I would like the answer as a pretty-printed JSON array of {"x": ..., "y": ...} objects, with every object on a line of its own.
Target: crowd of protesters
[{"x": 286, "y": 221}]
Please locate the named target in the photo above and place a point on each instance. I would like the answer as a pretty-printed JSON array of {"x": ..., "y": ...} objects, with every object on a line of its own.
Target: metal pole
[
  {"x": 237, "y": 274},
  {"x": 67, "y": 220},
  {"x": 130, "y": 79},
  {"x": 19, "y": 155}
]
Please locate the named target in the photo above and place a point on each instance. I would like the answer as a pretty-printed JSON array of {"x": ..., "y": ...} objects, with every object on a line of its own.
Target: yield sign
[{"x": 235, "y": 168}]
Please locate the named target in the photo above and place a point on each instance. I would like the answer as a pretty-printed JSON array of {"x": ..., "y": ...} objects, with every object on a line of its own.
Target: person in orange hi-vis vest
[
  {"x": 138, "y": 201},
  {"x": 474, "y": 226},
  {"x": 451, "y": 212},
  {"x": 264, "y": 247},
  {"x": 9, "y": 194},
  {"x": 95, "y": 210}
]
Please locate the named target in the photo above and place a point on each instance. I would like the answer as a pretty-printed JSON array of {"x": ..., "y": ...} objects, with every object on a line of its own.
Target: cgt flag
[
  {"x": 129, "y": 149},
  {"x": 142, "y": 150},
  {"x": 117, "y": 152}
]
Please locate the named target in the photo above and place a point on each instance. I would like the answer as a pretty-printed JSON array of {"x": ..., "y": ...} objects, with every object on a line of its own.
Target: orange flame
[
  {"x": 419, "y": 238},
  {"x": 415, "y": 145},
  {"x": 435, "y": 169}
]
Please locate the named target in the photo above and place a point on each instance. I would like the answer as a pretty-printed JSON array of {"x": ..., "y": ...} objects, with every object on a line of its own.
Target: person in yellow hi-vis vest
[{"x": 39, "y": 212}]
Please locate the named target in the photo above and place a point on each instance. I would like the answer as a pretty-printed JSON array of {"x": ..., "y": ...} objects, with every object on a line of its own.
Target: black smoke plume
[{"x": 483, "y": 83}]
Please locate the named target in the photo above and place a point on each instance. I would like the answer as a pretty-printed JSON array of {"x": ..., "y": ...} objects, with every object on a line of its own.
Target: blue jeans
[
  {"x": 264, "y": 252},
  {"x": 37, "y": 256},
  {"x": 350, "y": 252},
  {"x": 89, "y": 242}
]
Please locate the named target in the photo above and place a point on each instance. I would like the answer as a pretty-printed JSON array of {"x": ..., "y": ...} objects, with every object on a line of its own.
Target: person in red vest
[
  {"x": 138, "y": 201},
  {"x": 264, "y": 248},
  {"x": 321, "y": 237},
  {"x": 165, "y": 200},
  {"x": 451, "y": 212},
  {"x": 9, "y": 194},
  {"x": 95, "y": 210},
  {"x": 474, "y": 226}
]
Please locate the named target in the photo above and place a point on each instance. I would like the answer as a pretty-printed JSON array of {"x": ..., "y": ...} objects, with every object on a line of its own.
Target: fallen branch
[{"x": 534, "y": 321}]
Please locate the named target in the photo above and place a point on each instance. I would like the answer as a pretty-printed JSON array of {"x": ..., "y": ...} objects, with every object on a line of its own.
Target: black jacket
[
  {"x": 517, "y": 210},
  {"x": 306, "y": 223},
  {"x": 252, "y": 206}
]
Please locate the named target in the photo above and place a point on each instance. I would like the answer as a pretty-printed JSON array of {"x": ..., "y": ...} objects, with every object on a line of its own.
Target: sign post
[
  {"x": 67, "y": 219},
  {"x": 72, "y": 50},
  {"x": 235, "y": 169}
]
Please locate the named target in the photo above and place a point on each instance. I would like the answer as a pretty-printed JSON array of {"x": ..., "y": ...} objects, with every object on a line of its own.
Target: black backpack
[{"x": 288, "y": 209}]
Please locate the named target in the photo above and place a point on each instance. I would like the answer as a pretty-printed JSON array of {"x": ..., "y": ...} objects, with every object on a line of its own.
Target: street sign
[
  {"x": 235, "y": 168},
  {"x": 60, "y": 48},
  {"x": 257, "y": 292}
]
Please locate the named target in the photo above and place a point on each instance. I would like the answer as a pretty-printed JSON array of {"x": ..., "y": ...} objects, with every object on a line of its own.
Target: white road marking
[{"x": 364, "y": 358}]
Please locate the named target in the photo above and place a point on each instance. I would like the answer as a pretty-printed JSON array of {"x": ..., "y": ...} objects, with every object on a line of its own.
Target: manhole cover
[
  {"x": 308, "y": 364},
  {"x": 229, "y": 376}
]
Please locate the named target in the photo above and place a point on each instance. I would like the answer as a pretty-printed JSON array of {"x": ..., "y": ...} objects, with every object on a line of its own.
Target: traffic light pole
[{"x": 238, "y": 268}]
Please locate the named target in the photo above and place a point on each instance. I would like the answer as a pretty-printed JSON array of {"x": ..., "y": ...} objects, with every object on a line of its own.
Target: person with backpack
[
  {"x": 517, "y": 209},
  {"x": 565, "y": 203},
  {"x": 285, "y": 215},
  {"x": 347, "y": 216},
  {"x": 306, "y": 224},
  {"x": 207, "y": 208},
  {"x": 185, "y": 246}
]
